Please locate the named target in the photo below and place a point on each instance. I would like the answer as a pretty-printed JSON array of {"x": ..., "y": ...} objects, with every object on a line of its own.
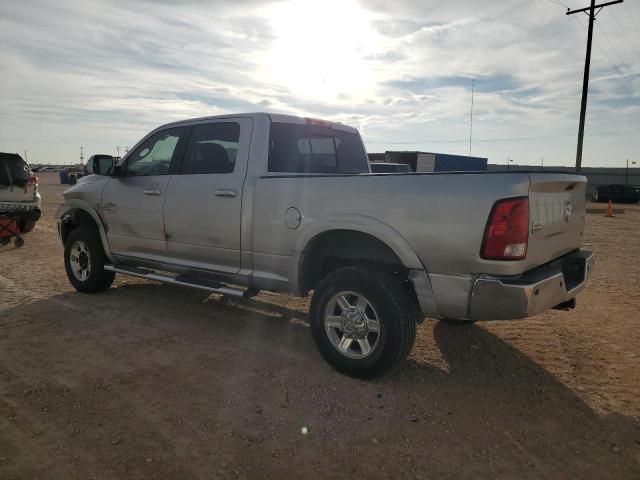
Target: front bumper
[{"x": 538, "y": 290}]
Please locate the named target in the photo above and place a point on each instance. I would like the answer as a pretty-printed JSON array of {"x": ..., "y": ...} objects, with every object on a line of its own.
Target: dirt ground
[{"x": 153, "y": 381}]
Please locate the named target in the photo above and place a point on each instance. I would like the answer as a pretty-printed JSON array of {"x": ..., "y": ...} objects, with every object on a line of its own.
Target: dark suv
[{"x": 617, "y": 193}]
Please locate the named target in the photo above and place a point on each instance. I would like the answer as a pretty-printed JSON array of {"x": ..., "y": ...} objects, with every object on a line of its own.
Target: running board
[{"x": 183, "y": 280}]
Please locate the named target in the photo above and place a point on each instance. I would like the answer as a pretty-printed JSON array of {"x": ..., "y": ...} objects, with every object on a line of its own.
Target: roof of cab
[{"x": 273, "y": 117}]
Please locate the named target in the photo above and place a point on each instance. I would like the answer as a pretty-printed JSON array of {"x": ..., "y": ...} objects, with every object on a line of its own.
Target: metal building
[{"x": 433, "y": 162}]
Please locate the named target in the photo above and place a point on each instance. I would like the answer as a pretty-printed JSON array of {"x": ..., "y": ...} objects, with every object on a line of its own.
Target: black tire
[
  {"x": 455, "y": 321},
  {"x": 391, "y": 302},
  {"x": 97, "y": 279},
  {"x": 27, "y": 227}
]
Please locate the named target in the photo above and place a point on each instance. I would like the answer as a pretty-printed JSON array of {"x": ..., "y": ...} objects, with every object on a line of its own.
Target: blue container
[
  {"x": 459, "y": 163},
  {"x": 64, "y": 176}
]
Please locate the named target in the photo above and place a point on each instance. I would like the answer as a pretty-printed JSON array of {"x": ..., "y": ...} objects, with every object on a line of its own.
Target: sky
[{"x": 101, "y": 74}]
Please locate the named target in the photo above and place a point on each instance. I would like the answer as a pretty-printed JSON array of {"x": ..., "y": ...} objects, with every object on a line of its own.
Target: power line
[
  {"x": 625, "y": 34},
  {"x": 511, "y": 139},
  {"x": 612, "y": 47},
  {"x": 559, "y": 4},
  {"x": 631, "y": 17},
  {"x": 617, "y": 69}
]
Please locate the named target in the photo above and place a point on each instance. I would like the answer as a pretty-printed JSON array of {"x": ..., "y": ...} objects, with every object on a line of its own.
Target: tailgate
[{"x": 556, "y": 214}]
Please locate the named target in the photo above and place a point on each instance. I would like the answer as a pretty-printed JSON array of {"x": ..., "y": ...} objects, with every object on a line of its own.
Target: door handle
[
  {"x": 223, "y": 192},
  {"x": 152, "y": 191}
]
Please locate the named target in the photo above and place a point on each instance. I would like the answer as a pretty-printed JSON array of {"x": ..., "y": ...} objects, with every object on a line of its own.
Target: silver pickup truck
[{"x": 237, "y": 203}]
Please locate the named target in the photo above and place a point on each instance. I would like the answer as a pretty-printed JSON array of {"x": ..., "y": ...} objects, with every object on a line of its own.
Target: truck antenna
[{"x": 473, "y": 83}]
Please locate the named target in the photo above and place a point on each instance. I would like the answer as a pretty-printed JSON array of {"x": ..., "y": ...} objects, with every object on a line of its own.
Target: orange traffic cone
[{"x": 610, "y": 209}]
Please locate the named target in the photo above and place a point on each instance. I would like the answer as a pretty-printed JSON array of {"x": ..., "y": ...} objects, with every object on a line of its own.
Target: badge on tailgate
[{"x": 567, "y": 211}]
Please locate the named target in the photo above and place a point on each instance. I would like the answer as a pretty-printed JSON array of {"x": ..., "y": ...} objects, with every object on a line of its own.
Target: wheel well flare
[{"x": 335, "y": 249}]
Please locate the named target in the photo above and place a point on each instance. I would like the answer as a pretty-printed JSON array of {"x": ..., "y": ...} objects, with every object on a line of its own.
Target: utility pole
[
  {"x": 25, "y": 156},
  {"x": 81, "y": 154},
  {"x": 626, "y": 175},
  {"x": 473, "y": 84},
  {"x": 509, "y": 162},
  {"x": 587, "y": 63},
  {"x": 118, "y": 150}
]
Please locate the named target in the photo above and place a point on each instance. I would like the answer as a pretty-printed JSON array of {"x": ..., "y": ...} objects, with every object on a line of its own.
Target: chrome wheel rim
[
  {"x": 352, "y": 325},
  {"x": 80, "y": 260}
]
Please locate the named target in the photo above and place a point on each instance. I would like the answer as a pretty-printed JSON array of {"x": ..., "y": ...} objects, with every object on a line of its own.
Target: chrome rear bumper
[{"x": 538, "y": 290}]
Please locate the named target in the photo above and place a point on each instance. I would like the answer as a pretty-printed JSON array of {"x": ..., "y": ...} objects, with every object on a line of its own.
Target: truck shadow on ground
[{"x": 491, "y": 407}]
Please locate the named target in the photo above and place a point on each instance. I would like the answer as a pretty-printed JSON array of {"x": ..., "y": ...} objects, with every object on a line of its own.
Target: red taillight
[
  {"x": 32, "y": 182},
  {"x": 507, "y": 233}
]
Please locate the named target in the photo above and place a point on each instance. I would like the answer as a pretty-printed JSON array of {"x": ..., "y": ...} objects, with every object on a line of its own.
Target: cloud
[{"x": 103, "y": 73}]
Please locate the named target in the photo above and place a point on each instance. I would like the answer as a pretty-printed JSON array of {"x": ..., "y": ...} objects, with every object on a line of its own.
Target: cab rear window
[
  {"x": 295, "y": 148},
  {"x": 14, "y": 170}
]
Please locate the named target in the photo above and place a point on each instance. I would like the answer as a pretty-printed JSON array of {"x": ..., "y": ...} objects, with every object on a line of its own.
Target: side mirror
[{"x": 100, "y": 165}]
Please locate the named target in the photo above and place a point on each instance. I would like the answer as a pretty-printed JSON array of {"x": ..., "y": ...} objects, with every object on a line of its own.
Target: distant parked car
[
  {"x": 385, "y": 167},
  {"x": 617, "y": 193}
]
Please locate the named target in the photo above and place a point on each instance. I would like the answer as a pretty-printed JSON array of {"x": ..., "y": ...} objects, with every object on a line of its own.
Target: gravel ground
[{"x": 153, "y": 381}]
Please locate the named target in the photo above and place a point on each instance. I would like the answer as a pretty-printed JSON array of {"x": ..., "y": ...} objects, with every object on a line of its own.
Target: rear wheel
[
  {"x": 363, "y": 321},
  {"x": 84, "y": 261}
]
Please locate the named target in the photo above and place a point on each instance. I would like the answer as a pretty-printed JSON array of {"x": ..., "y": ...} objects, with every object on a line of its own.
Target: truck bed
[
  {"x": 442, "y": 216},
  {"x": 430, "y": 210}
]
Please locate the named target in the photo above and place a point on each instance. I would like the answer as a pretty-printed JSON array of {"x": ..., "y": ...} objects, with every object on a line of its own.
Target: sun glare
[{"x": 322, "y": 50}]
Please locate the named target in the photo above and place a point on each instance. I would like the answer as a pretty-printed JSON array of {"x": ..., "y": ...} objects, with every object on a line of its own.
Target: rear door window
[
  {"x": 212, "y": 148},
  {"x": 295, "y": 148}
]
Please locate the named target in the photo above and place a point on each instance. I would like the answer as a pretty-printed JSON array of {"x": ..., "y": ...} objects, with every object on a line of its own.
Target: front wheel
[
  {"x": 363, "y": 320},
  {"x": 84, "y": 261}
]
